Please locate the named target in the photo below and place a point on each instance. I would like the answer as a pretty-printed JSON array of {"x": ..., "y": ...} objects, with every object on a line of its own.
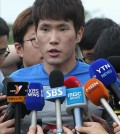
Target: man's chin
[{"x": 54, "y": 62}]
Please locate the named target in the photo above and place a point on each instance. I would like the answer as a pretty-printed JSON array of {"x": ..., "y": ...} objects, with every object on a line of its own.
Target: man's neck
[{"x": 64, "y": 68}]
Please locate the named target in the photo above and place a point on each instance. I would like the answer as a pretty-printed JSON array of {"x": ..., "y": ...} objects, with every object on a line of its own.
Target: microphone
[
  {"x": 16, "y": 93},
  {"x": 76, "y": 101},
  {"x": 72, "y": 82},
  {"x": 11, "y": 107},
  {"x": 57, "y": 94},
  {"x": 115, "y": 62},
  {"x": 104, "y": 71},
  {"x": 98, "y": 94},
  {"x": 35, "y": 100}
]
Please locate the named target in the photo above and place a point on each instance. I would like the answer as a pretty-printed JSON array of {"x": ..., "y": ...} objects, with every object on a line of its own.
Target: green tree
[{"x": 10, "y": 41}]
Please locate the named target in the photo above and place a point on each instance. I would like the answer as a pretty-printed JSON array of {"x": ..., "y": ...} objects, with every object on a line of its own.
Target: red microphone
[
  {"x": 98, "y": 94},
  {"x": 72, "y": 82}
]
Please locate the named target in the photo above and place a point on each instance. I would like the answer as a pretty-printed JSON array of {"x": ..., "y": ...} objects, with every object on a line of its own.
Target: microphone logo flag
[
  {"x": 18, "y": 88},
  {"x": 16, "y": 91},
  {"x": 75, "y": 95},
  {"x": 34, "y": 92},
  {"x": 34, "y": 97},
  {"x": 53, "y": 93}
]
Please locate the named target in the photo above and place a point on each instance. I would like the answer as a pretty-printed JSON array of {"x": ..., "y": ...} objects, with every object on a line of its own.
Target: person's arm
[
  {"x": 11, "y": 61},
  {"x": 116, "y": 127},
  {"x": 33, "y": 130}
]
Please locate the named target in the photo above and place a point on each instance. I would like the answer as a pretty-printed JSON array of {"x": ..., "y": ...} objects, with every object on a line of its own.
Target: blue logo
[
  {"x": 55, "y": 93},
  {"x": 75, "y": 95}
]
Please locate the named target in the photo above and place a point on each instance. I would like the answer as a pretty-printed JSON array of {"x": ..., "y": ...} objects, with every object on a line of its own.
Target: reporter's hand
[
  {"x": 116, "y": 127},
  {"x": 6, "y": 127},
  {"x": 2, "y": 117},
  {"x": 33, "y": 130},
  {"x": 3, "y": 97},
  {"x": 65, "y": 129},
  {"x": 91, "y": 128},
  {"x": 102, "y": 122}
]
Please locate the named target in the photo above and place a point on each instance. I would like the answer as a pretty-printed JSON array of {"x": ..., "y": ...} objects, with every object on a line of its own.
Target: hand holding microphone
[
  {"x": 35, "y": 100},
  {"x": 116, "y": 127},
  {"x": 35, "y": 130}
]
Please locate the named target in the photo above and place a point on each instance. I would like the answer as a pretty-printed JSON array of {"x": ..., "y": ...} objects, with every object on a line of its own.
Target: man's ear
[
  {"x": 19, "y": 49},
  {"x": 80, "y": 34}
]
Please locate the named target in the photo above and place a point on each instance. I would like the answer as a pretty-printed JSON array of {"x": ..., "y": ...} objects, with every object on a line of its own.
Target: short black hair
[
  {"x": 92, "y": 31},
  {"x": 59, "y": 9},
  {"x": 4, "y": 29},
  {"x": 108, "y": 44}
]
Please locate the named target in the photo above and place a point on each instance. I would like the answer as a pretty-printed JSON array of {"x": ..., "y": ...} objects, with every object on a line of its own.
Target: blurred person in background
[
  {"x": 4, "y": 49},
  {"x": 25, "y": 39},
  {"x": 92, "y": 31},
  {"x": 24, "y": 47},
  {"x": 4, "y": 52}
]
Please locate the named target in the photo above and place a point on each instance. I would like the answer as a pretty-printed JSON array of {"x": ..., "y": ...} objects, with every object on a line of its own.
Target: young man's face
[
  {"x": 57, "y": 40},
  {"x": 31, "y": 55}
]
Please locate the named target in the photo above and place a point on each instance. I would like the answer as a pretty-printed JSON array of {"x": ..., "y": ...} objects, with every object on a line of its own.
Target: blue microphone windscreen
[
  {"x": 103, "y": 71},
  {"x": 34, "y": 97}
]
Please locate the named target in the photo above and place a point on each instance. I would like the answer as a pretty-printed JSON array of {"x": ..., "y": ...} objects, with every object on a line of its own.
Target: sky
[{"x": 9, "y": 9}]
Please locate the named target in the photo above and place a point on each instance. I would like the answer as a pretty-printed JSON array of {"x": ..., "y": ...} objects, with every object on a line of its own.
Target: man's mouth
[{"x": 53, "y": 52}]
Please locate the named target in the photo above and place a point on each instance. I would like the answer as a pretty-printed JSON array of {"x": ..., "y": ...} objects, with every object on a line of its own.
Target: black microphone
[
  {"x": 115, "y": 62},
  {"x": 57, "y": 94},
  {"x": 10, "y": 111},
  {"x": 16, "y": 93}
]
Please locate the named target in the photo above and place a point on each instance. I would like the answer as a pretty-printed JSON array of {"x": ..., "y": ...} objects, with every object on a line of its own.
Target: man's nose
[{"x": 54, "y": 38}]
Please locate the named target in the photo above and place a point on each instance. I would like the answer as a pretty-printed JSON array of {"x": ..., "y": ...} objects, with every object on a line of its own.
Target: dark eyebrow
[
  {"x": 59, "y": 25},
  {"x": 63, "y": 25},
  {"x": 44, "y": 25}
]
